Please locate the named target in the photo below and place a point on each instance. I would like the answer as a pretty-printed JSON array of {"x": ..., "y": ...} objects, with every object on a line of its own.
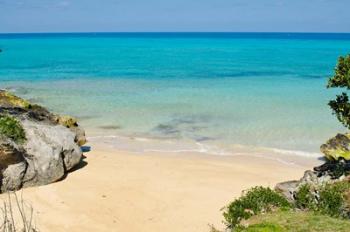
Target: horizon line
[{"x": 173, "y": 32}]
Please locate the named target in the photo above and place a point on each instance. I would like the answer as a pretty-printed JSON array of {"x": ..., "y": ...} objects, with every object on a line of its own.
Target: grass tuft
[
  {"x": 11, "y": 128},
  {"x": 16, "y": 209}
]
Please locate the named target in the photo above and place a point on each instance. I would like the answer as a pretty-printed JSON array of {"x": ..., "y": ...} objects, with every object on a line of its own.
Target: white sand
[{"x": 117, "y": 191}]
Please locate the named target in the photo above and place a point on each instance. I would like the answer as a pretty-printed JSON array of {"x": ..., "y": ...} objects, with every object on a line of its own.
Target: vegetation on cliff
[
  {"x": 12, "y": 128},
  {"x": 294, "y": 221},
  {"x": 332, "y": 199},
  {"x": 255, "y": 201},
  {"x": 34, "y": 149},
  {"x": 326, "y": 208},
  {"x": 320, "y": 200}
]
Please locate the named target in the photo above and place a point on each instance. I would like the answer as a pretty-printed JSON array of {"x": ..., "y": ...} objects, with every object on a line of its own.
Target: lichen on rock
[
  {"x": 8, "y": 99},
  {"x": 72, "y": 123},
  {"x": 37, "y": 147},
  {"x": 337, "y": 147}
]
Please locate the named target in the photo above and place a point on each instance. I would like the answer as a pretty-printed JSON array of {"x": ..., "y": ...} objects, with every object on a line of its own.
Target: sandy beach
[{"x": 120, "y": 191}]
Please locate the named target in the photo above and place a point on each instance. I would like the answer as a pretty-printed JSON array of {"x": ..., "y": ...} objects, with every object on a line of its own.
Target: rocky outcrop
[
  {"x": 50, "y": 149},
  {"x": 335, "y": 168},
  {"x": 337, "y": 148},
  {"x": 311, "y": 178},
  {"x": 72, "y": 124}
]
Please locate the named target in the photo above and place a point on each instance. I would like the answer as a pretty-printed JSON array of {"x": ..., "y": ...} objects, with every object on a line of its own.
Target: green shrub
[
  {"x": 254, "y": 201},
  {"x": 332, "y": 200},
  {"x": 11, "y": 128},
  {"x": 304, "y": 198}
]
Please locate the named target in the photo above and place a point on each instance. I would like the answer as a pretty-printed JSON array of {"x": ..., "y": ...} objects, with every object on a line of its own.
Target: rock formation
[
  {"x": 336, "y": 167},
  {"x": 36, "y": 147}
]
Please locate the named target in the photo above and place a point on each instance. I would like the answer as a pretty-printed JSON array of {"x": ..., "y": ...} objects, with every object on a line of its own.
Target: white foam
[
  {"x": 297, "y": 153},
  {"x": 145, "y": 145}
]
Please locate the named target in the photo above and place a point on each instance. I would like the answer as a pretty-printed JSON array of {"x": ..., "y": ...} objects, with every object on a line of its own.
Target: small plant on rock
[
  {"x": 333, "y": 200},
  {"x": 305, "y": 198},
  {"x": 11, "y": 128}
]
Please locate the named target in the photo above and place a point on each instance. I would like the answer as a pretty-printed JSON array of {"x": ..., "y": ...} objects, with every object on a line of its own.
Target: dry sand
[{"x": 119, "y": 191}]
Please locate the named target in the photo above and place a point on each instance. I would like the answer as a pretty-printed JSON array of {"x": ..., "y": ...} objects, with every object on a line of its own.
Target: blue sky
[{"x": 174, "y": 15}]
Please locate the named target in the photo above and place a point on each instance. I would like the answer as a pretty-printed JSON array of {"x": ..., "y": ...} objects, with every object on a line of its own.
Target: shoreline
[
  {"x": 150, "y": 145},
  {"x": 150, "y": 192}
]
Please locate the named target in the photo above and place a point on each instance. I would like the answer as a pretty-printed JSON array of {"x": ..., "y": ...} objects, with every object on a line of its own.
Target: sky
[{"x": 174, "y": 16}]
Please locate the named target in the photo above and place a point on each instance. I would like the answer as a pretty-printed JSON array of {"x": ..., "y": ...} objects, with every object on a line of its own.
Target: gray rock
[
  {"x": 312, "y": 178},
  {"x": 51, "y": 147},
  {"x": 13, "y": 177},
  {"x": 288, "y": 189},
  {"x": 51, "y": 151}
]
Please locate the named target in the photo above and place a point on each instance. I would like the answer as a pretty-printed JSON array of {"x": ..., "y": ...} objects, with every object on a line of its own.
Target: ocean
[{"x": 219, "y": 93}]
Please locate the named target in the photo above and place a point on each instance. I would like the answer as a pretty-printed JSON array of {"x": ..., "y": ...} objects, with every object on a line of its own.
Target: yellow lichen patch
[
  {"x": 67, "y": 121},
  {"x": 337, "y": 147},
  {"x": 336, "y": 154},
  {"x": 81, "y": 141},
  {"x": 7, "y": 99}
]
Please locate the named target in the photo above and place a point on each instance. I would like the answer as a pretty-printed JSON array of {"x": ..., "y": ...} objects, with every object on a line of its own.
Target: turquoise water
[{"x": 259, "y": 90}]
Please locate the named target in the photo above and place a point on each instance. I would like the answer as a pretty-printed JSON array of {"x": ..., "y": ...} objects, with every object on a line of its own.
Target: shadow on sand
[{"x": 80, "y": 165}]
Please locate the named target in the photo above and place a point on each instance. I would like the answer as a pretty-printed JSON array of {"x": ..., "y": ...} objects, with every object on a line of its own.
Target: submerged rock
[{"x": 51, "y": 147}]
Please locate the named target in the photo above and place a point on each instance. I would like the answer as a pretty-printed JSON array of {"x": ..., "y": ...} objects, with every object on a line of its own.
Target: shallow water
[{"x": 256, "y": 90}]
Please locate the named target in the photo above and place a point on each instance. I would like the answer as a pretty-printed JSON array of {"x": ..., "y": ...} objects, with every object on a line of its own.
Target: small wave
[
  {"x": 201, "y": 148},
  {"x": 145, "y": 145},
  {"x": 297, "y": 153}
]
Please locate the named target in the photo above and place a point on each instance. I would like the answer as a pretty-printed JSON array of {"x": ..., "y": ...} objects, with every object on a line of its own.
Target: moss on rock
[
  {"x": 7, "y": 99},
  {"x": 12, "y": 129},
  {"x": 337, "y": 147},
  {"x": 67, "y": 121}
]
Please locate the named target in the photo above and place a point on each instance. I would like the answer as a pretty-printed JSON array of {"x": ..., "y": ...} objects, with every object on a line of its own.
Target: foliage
[
  {"x": 341, "y": 108},
  {"x": 295, "y": 221},
  {"x": 11, "y": 128},
  {"x": 332, "y": 200},
  {"x": 341, "y": 78},
  {"x": 254, "y": 201},
  {"x": 304, "y": 198}
]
